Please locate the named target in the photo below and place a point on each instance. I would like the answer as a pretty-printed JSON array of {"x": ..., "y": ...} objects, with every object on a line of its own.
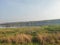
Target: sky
[{"x": 29, "y": 10}]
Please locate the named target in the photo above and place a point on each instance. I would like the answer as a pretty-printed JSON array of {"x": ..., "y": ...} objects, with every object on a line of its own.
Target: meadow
[{"x": 34, "y": 35}]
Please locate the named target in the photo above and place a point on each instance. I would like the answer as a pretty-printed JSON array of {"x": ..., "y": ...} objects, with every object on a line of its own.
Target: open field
[{"x": 40, "y": 35}]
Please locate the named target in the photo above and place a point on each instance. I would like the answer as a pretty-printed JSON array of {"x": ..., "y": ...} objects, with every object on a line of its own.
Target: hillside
[{"x": 31, "y": 23}]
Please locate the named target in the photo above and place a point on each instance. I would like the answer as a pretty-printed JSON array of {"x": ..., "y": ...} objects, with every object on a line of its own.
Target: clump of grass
[
  {"x": 23, "y": 38},
  {"x": 5, "y": 40},
  {"x": 48, "y": 38},
  {"x": 19, "y": 38}
]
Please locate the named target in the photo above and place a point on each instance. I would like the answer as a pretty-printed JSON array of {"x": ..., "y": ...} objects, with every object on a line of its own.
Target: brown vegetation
[
  {"x": 18, "y": 38},
  {"x": 32, "y": 35}
]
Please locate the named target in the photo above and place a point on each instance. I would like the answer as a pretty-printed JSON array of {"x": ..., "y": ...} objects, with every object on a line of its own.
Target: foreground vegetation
[{"x": 38, "y": 35}]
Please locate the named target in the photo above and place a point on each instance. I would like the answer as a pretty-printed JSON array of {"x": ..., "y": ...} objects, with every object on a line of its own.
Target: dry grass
[
  {"x": 18, "y": 38},
  {"x": 48, "y": 38},
  {"x": 29, "y": 35},
  {"x": 26, "y": 38},
  {"x": 22, "y": 38}
]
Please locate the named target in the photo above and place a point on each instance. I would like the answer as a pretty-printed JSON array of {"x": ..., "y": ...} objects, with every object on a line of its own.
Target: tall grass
[{"x": 30, "y": 36}]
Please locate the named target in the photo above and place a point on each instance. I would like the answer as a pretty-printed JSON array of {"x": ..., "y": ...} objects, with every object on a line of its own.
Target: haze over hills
[{"x": 31, "y": 23}]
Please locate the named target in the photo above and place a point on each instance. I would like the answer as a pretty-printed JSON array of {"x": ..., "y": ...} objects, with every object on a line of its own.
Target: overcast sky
[{"x": 29, "y": 10}]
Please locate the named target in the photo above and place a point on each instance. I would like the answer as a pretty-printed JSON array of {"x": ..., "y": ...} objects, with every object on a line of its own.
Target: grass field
[{"x": 37, "y": 35}]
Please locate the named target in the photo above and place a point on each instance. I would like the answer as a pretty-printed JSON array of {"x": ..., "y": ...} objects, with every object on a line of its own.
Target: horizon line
[{"x": 28, "y": 21}]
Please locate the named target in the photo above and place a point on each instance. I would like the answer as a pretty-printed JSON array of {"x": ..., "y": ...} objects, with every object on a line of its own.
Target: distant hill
[{"x": 31, "y": 23}]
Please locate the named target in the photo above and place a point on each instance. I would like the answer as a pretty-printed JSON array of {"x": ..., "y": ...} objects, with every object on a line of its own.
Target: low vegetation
[{"x": 40, "y": 35}]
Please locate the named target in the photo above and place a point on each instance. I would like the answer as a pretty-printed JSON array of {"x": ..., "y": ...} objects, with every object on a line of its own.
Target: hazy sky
[{"x": 29, "y": 10}]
